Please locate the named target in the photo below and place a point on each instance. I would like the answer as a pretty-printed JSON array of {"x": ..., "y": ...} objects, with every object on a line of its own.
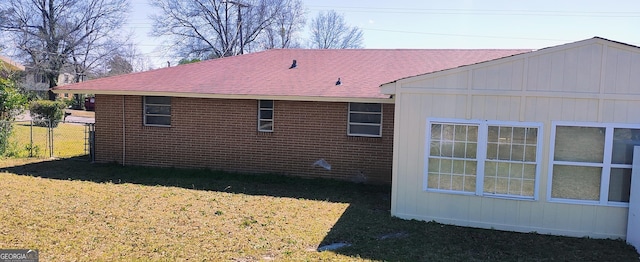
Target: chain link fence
[{"x": 44, "y": 139}]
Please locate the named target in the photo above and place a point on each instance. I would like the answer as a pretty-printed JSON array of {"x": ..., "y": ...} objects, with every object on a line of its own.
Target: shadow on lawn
[
  {"x": 364, "y": 221},
  {"x": 366, "y": 225}
]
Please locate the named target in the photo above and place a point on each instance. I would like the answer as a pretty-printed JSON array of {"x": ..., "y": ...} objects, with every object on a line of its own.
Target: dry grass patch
[
  {"x": 74, "y": 211},
  {"x": 68, "y": 140},
  {"x": 69, "y": 220}
]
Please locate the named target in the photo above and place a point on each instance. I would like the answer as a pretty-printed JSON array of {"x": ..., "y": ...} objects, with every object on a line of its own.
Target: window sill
[
  {"x": 506, "y": 197},
  {"x": 587, "y": 202}
]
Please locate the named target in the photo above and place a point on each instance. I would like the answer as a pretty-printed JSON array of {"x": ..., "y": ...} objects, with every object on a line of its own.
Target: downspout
[{"x": 123, "y": 131}]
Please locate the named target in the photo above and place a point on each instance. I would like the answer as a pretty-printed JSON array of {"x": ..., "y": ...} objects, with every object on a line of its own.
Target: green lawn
[{"x": 71, "y": 210}]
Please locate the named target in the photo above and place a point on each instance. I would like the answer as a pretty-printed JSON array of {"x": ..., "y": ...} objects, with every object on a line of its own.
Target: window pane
[
  {"x": 458, "y": 167},
  {"x": 504, "y": 151},
  {"x": 576, "y": 182},
  {"x": 515, "y": 170},
  {"x": 163, "y": 100},
  {"x": 432, "y": 180},
  {"x": 266, "y": 103},
  {"x": 469, "y": 183},
  {"x": 529, "y": 171},
  {"x": 459, "y": 149},
  {"x": 472, "y": 133},
  {"x": 579, "y": 144},
  {"x": 365, "y": 118},
  {"x": 457, "y": 182},
  {"x": 472, "y": 149},
  {"x": 624, "y": 139},
  {"x": 266, "y": 114},
  {"x": 518, "y": 135},
  {"x": 493, "y": 134},
  {"x": 159, "y": 120},
  {"x": 532, "y": 136},
  {"x": 492, "y": 151},
  {"x": 266, "y": 125},
  {"x": 365, "y": 107},
  {"x": 436, "y": 131},
  {"x": 505, "y": 134},
  {"x": 366, "y": 130},
  {"x": 434, "y": 165},
  {"x": 530, "y": 153},
  {"x": 517, "y": 152},
  {"x": 470, "y": 168},
  {"x": 450, "y": 174},
  {"x": 620, "y": 185},
  {"x": 446, "y": 148},
  {"x": 158, "y": 110}
]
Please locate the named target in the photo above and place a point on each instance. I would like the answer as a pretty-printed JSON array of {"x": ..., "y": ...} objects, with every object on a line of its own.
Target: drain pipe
[{"x": 123, "y": 130}]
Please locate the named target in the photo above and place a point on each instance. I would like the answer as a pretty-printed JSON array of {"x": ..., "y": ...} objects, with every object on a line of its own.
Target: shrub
[{"x": 44, "y": 112}]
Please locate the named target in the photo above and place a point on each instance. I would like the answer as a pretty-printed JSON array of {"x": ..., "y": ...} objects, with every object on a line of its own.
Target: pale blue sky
[{"x": 457, "y": 23}]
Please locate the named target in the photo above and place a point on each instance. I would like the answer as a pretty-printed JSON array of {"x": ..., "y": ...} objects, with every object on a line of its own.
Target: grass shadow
[
  {"x": 366, "y": 225},
  {"x": 78, "y": 168}
]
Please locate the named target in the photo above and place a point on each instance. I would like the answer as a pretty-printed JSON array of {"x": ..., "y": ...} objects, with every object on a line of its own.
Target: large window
[
  {"x": 591, "y": 163},
  {"x": 265, "y": 115},
  {"x": 157, "y": 111},
  {"x": 365, "y": 119},
  {"x": 484, "y": 158}
]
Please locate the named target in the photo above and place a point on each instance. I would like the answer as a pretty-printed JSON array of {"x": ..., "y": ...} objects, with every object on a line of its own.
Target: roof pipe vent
[
  {"x": 338, "y": 82},
  {"x": 294, "y": 64}
]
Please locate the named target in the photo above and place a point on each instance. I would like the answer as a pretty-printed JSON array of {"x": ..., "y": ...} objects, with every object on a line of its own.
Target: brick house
[{"x": 314, "y": 113}]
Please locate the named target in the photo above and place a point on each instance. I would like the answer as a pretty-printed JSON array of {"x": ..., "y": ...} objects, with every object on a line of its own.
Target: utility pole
[{"x": 240, "y": 5}]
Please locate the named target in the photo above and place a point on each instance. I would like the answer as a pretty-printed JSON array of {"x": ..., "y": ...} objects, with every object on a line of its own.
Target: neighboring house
[
  {"x": 537, "y": 142},
  {"x": 35, "y": 81},
  {"x": 315, "y": 113}
]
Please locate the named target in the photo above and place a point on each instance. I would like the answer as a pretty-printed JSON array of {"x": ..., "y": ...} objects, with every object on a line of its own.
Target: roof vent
[
  {"x": 338, "y": 82},
  {"x": 294, "y": 64}
]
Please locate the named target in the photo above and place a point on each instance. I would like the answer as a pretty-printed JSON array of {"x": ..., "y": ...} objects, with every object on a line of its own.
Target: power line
[
  {"x": 463, "y": 35},
  {"x": 478, "y": 12}
]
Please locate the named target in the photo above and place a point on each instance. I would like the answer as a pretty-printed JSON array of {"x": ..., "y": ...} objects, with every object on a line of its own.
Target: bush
[{"x": 44, "y": 112}]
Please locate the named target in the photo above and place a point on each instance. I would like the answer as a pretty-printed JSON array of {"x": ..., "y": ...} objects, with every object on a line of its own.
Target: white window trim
[
  {"x": 144, "y": 112},
  {"x": 273, "y": 105},
  {"x": 606, "y": 165},
  {"x": 481, "y": 155},
  {"x": 364, "y": 124}
]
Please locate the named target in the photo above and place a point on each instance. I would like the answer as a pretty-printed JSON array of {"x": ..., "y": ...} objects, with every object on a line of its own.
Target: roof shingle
[{"x": 267, "y": 73}]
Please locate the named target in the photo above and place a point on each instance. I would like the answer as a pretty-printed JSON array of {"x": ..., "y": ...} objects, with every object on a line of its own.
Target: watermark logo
[{"x": 18, "y": 255}]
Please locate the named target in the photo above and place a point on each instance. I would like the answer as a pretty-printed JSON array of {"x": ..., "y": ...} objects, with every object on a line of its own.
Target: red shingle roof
[{"x": 267, "y": 73}]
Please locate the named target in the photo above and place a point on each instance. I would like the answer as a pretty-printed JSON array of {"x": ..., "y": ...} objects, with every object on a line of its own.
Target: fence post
[
  {"x": 50, "y": 137},
  {"x": 31, "y": 138}
]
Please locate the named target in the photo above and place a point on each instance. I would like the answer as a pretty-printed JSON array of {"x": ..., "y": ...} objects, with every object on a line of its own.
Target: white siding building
[{"x": 540, "y": 141}]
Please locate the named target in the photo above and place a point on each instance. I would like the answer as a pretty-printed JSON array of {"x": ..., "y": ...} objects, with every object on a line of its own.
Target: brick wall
[{"x": 222, "y": 134}]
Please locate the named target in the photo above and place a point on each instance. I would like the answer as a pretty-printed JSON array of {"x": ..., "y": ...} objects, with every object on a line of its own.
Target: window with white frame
[
  {"x": 365, "y": 119},
  {"x": 483, "y": 158},
  {"x": 157, "y": 111},
  {"x": 265, "y": 115},
  {"x": 591, "y": 163}
]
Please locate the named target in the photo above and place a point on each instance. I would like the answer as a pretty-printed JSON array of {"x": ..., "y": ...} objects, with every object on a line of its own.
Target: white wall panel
[
  {"x": 590, "y": 81},
  {"x": 450, "y": 81},
  {"x": 505, "y": 76}
]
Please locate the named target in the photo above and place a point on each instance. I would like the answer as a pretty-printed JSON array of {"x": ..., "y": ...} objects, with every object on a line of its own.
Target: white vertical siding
[
  {"x": 589, "y": 81},
  {"x": 490, "y": 78}
]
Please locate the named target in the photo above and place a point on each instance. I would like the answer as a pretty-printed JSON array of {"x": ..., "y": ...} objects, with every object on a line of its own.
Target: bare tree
[
  {"x": 52, "y": 33},
  {"x": 118, "y": 65},
  {"x": 330, "y": 31},
  {"x": 219, "y": 28},
  {"x": 283, "y": 32}
]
